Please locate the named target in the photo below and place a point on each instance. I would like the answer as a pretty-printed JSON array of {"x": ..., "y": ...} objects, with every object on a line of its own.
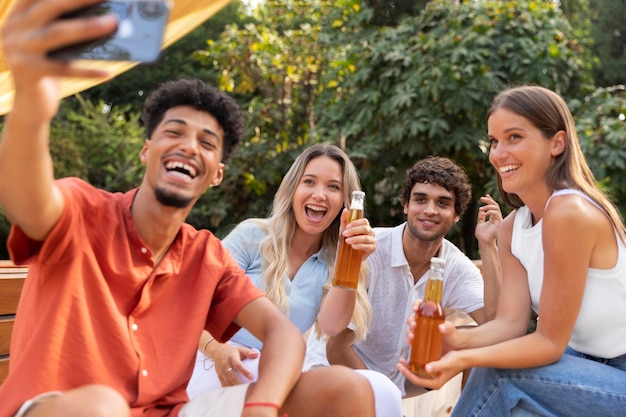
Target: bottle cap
[
  {"x": 358, "y": 193},
  {"x": 439, "y": 261}
]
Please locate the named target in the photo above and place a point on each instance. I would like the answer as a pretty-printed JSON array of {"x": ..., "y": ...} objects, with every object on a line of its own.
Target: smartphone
[{"x": 139, "y": 36}]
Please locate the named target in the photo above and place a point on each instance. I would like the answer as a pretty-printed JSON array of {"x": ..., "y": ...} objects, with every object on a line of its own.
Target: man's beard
[
  {"x": 171, "y": 199},
  {"x": 423, "y": 236}
]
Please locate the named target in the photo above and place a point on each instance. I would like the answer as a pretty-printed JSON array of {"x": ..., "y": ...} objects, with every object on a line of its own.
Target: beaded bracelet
[
  {"x": 261, "y": 404},
  {"x": 273, "y": 405}
]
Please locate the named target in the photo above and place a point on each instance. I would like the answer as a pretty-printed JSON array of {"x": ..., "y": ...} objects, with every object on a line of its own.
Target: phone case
[{"x": 139, "y": 36}]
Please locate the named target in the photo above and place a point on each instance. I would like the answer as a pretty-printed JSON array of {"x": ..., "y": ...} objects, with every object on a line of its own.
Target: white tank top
[{"x": 600, "y": 329}]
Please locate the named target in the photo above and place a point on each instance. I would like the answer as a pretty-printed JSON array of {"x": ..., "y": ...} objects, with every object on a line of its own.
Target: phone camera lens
[{"x": 151, "y": 10}]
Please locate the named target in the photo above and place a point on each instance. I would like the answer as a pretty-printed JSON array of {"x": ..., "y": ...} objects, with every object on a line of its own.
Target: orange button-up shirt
[{"x": 95, "y": 309}]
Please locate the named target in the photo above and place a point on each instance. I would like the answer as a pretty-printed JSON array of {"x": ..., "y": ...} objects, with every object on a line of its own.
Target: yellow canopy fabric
[{"x": 185, "y": 16}]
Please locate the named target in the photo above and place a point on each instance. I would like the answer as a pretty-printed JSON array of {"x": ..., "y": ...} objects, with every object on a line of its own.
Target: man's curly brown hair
[{"x": 443, "y": 172}]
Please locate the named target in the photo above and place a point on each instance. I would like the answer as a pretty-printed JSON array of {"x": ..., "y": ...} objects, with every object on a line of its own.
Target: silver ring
[{"x": 228, "y": 370}]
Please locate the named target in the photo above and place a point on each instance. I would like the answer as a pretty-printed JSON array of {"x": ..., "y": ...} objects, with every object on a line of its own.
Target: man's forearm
[
  {"x": 282, "y": 356},
  {"x": 279, "y": 367}
]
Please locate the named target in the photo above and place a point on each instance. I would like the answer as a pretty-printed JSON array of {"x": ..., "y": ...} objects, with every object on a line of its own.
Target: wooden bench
[{"x": 11, "y": 281}]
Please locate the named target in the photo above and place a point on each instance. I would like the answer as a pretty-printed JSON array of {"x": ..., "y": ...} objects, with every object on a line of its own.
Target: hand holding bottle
[
  {"x": 443, "y": 369},
  {"x": 348, "y": 262},
  {"x": 452, "y": 339},
  {"x": 440, "y": 371},
  {"x": 428, "y": 340},
  {"x": 358, "y": 234},
  {"x": 338, "y": 304}
]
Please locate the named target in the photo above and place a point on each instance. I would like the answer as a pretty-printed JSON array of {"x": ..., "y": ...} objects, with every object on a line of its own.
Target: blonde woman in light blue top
[{"x": 291, "y": 257}]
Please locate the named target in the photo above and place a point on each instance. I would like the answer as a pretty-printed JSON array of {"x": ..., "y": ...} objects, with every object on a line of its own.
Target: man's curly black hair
[{"x": 201, "y": 96}]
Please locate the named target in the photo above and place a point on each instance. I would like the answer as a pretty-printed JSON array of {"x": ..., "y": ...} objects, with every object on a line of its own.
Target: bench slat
[
  {"x": 6, "y": 328},
  {"x": 13, "y": 272},
  {"x": 10, "y": 290},
  {"x": 9, "y": 268},
  {"x": 4, "y": 369},
  {"x": 12, "y": 279}
]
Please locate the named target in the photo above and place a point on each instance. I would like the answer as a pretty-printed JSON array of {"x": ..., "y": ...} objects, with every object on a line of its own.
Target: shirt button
[
  {"x": 144, "y": 372},
  {"x": 134, "y": 327},
  {"x": 144, "y": 250}
]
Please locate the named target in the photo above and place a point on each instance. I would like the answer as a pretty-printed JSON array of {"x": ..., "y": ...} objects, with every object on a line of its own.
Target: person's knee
[
  {"x": 104, "y": 401},
  {"x": 382, "y": 385},
  {"x": 387, "y": 395},
  {"x": 331, "y": 390},
  {"x": 343, "y": 384},
  {"x": 339, "y": 378},
  {"x": 89, "y": 400}
]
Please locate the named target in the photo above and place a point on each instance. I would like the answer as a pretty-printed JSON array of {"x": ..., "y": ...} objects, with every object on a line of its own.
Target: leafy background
[{"x": 389, "y": 82}]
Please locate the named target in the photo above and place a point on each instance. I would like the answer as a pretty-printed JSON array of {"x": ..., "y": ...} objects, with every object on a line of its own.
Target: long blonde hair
[
  {"x": 548, "y": 112},
  {"x": 280, "y": 228}
]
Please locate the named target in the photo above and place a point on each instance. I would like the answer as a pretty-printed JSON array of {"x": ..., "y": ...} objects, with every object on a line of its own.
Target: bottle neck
[
  {"x": 434, "y": 286},
  {"x": 356, "y": 204}
]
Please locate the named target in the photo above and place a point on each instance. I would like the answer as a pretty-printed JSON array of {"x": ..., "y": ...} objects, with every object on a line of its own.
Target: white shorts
[
  {"x": 30, "y": 404},
  {"x": 223, "y": 402},
  {"x": 204, "y": 377}
]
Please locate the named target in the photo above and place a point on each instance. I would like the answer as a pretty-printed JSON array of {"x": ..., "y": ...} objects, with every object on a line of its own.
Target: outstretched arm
[
  {"x": 338, "y": 304},
  {"x": 27, "y": 194}
]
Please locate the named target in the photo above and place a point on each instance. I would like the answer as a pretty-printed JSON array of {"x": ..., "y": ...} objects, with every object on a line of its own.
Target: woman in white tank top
[{"x": 562, "y": 255}]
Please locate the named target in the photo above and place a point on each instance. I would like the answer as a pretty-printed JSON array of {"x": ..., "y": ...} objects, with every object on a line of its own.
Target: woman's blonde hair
[
  {"x": 548, "y": 112},
  {"x": 280, "y": 228}
]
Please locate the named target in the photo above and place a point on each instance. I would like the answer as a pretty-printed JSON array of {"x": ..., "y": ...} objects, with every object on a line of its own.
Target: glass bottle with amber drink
[
  {"x": 348, "y": 262},
  {"x": 428, "y": 340}
]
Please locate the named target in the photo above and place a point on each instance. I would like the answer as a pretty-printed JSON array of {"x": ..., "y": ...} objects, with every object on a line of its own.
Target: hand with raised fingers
[{"x": 488, "y": 220}]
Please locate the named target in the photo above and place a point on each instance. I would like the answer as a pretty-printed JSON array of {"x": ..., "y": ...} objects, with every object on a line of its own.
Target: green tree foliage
[
  {"x": 389, "y": 13},
  {"x": 601, "y": 29},
  {"x": 608, "y": 31},
  {"x": 422, "y": 88},
  {"x": 324, "y": 71},
  {"x": 103, "y": 144},
  {"x": 96, "y": 143},
  {"x": 275, "y": 65},
  {"x": 578, "y": 13},
  {"x": 601, "y": 124}
]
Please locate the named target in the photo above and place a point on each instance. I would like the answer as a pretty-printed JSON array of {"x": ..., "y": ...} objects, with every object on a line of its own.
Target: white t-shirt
[{"x": 392, "y": 291}]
